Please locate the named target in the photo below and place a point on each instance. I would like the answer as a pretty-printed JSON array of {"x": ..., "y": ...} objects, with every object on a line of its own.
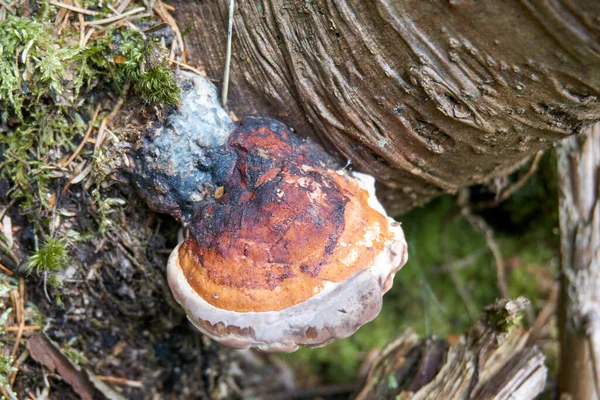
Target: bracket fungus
[{"x": 283, "y": 249}]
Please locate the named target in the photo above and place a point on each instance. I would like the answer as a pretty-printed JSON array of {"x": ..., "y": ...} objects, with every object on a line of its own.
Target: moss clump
[
  {"x": 145, "y": 65},
  {"x": 50, "y": 258},
  {"x": 49, "y": 87},
  {"x": 158, "y": 87}
]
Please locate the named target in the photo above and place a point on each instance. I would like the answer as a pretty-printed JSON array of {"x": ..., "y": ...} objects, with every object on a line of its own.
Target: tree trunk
[
  {"x": 427, "y": 96},
  {"x": 579, "y": 174}
]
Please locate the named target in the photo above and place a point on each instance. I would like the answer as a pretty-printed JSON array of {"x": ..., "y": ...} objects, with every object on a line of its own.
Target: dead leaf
[{"x": 83, "y": 382}]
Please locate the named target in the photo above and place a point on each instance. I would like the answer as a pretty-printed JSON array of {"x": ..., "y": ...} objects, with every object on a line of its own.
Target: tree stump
[{"x": 491, "y": 361}]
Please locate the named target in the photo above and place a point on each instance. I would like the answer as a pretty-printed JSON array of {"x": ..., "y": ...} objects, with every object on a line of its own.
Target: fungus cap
[{"x": 291, "y": 253}]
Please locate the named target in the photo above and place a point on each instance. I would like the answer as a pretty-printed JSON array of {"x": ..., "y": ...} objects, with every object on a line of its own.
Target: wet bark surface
[{"x": 427, "y": 96}]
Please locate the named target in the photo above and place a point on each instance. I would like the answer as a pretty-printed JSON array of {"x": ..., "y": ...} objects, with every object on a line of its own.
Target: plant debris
[{"x": 83, "y": 382}]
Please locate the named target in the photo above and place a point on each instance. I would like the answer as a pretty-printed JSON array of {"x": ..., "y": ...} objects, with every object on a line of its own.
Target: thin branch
[
  {"x": 505, "y": 194},
  {"x": 544, "y": 315},
  {"x": 482, "y": 227}
]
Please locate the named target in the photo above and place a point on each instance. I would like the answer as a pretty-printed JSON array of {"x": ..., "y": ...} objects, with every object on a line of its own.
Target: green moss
[
  {"x": 49, "y": 88},
  {"x": 5, "y": 368},
  {"x": 76, "y": 356},
  {"x": 157, "y": 86},
  {"x": 503, "y": 320},
  {"x": 145, "y": 64},
  {"x": 50, "y": 258}
]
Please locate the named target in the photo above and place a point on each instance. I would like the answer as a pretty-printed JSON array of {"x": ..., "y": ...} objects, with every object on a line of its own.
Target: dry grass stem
[
  {"x": 5, "y": 209},
  {"x": 85, "y": 138},
  {"x": 190, "y": 68},
  {"x": 479, "y": 225},
  {"x": 87, "y": 37},
  {"x": 17, "y": 365},
  {"x": 74, "y": 8},
  {"x": 6, "y": 270},
  {"x": 162, "y": 12},
  {"x": 120, "y": 381},
  {"x": 122, "y": 6},
  {"x": 544, "y": 316},
  {"x": 65, "y": 20},
  {"x": 225, "y": 87},
  {"x": 100, "y": 136},
  {"x": 7, "y": 6},
  {"x": 25, "y": 328},
  {"x": 116, "y": 17},
  {"x": 18, "y": 296}
]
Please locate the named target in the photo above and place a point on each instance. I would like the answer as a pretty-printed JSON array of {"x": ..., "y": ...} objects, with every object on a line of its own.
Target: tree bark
[
  {"x": 579, "y": 176},
  {"x": 428, "y": 96}
]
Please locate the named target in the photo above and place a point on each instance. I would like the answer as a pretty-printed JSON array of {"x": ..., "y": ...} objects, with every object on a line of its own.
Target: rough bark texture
[
  {"x": 428, "y": 96},
  {"x": 579, "y": 174},
  {"x": 492, "y": 361}
]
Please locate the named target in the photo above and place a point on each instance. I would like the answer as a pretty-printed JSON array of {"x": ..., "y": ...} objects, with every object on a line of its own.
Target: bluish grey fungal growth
[{"x": 181, "y": 161}]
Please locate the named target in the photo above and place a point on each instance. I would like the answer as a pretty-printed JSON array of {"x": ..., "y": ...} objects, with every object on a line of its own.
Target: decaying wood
[
  {"x": 579, "y": 177},
  {"x": 429, "y": 96},
  {"x": 492, "y": 361}
]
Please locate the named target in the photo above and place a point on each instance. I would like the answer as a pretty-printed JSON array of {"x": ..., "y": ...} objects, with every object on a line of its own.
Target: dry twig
[
  {"x": 25, "y": 328},
  {"x": 6, "y": 270},
  {"x": 190, "y": 68}
]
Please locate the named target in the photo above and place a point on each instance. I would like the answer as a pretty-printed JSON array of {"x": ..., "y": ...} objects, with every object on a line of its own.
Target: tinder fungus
[{"x": 282, "y": 250}]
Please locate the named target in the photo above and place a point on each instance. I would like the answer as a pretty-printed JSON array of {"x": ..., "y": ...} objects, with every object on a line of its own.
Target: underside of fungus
[{"x": 283, "y": 249}]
